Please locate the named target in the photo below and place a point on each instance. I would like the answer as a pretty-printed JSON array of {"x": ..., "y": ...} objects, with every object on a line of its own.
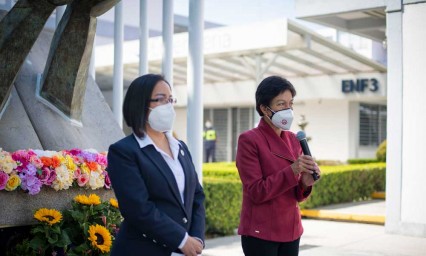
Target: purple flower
[
  {"x": 88, "y": 156},
  {"x": 30, "y": 183},
  {"x": 3, "y": 180},
  {"x": 30, "y": 170}
]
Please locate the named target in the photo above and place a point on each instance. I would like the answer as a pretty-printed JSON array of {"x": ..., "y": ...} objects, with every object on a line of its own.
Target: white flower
[{"x": 97, "y": 180}]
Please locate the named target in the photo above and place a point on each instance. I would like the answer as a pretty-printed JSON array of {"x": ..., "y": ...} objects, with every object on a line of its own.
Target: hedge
[
  {"x": 362, "y": 161},
  {"x": 338, "y": 184},
  {"x": 223, "y": 203},
  {"x": 381, "y": 152}
]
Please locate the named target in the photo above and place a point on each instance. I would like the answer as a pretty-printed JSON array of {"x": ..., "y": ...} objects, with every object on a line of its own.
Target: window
[{"x": 372, "y": 124}]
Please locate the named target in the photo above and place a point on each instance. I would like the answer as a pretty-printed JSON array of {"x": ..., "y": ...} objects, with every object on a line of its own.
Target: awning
[
  {"x": 242, "y": 53},
  {"x": 360, "y": 17}
]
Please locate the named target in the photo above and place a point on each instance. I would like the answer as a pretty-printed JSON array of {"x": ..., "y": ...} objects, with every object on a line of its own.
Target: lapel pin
[{"x": 181, "y": 152}]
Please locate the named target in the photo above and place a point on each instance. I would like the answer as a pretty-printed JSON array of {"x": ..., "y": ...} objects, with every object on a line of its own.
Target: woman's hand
[
  {"x": 308, "y": 180},
  {"x": 306, "y": 166},
  {"x": 192, "y": 247}
]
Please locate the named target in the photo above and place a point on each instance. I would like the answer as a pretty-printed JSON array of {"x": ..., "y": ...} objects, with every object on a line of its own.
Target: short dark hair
[
  {"x": 270, "y": 88},
  {"x": 136, "y": 102}
]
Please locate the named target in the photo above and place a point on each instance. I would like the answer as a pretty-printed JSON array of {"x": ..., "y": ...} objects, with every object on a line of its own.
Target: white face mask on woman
[
  {"x": 162, "y": 117},
  {"x": 282, "y": 119}
]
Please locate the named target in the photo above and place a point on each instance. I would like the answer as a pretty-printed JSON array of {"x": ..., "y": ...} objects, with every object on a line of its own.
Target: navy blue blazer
[{"x": 155, "y": 219}]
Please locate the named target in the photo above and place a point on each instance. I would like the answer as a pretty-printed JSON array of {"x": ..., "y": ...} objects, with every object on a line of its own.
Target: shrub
[
  {"x": 363, "y": 161},
  {"x": 328, "y": 162},
  {"x": 381, "y": 152},
  {"x": 339, "y": 184},
  {"x": 221, "y": 170},
  {"x": 223, "y": 203}
]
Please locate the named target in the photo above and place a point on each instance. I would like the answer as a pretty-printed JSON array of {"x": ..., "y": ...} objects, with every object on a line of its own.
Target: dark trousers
[
  {"x": 253, "y": 246},
  {"x": 211, "y": 153}
]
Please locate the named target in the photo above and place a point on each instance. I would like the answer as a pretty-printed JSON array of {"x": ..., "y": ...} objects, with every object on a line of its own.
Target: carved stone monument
[{"x": 62, "y": 60}]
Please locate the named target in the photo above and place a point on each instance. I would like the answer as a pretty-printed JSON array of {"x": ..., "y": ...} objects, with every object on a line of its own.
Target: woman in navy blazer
[
  {"x": 154, "y": 179},
  {"x": 275, "y": 175}
]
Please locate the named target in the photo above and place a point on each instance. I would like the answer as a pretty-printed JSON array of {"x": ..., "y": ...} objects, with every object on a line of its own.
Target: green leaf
[{"x": 53, "y": 238}]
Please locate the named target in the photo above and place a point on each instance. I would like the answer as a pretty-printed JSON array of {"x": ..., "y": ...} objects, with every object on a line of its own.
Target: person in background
[
  {"x": 154, "y": 178},
  {"x": 209, "y": 136},
  {"x": 275, "y": 175}
]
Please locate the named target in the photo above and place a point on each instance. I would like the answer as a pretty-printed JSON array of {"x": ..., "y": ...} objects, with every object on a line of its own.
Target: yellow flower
[
  {"x": 113, "y": 202},
  {"x": 84, "y": 168},
  {"x": 69, "y": 162},
  {"x": 100, "y": 238},
  {"x": 50, "y": 216},
  {"x": 13, "y": 182},
  {"x": 92, "y": 199}
]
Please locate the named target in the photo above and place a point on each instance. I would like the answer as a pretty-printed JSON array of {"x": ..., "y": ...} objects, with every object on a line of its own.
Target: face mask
[
  {"x": 162, "y": 118},
  {"x": 282, "y": 119}
]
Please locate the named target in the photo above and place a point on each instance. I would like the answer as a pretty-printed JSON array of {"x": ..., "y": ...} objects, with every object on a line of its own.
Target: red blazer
[{"x": 271, "y": 191}]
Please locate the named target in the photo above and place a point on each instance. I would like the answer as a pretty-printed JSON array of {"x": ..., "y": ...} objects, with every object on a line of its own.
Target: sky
[
  {"x": 232, "y": 12},
  {"x": 226, "y": 12}
]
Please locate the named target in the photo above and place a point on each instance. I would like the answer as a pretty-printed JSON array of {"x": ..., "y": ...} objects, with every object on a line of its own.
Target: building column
[
  {"x": 394, "y": 131},
  {"x": 143, "y": 37},
  {"x": 195, "y": 83},
  {"x": 168, "y": 23},
  {"x": 117, "y": 89}
]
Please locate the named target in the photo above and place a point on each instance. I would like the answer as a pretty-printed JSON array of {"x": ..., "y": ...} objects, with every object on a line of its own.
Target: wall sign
[{"x": 360, "y": 85}]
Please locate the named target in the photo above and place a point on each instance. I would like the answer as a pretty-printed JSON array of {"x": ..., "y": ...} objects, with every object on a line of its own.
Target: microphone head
[{"x": 301, "y": 135}]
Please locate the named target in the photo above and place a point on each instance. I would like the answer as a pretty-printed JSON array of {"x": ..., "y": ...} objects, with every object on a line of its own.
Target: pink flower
[
  {"x": 107, "y": 180},
  {"x": 3, "y": 180},
  {"x": 77, "y": 173},
  {"x": 104, "y": 220},
  {"x": 46, "y": 176},
  {"x": 82, "y": 179},
  {"x": 102, "y": 160}
]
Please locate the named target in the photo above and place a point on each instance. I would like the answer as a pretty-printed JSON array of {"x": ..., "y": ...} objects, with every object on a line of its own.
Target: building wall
[
  {"x": 328, "y": 127},
  {"x": 413, "y": 212}
]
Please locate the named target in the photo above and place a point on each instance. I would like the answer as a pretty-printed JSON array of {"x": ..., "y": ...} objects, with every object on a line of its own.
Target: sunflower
[
  {"x": 50, "y": 216},
  {"x": 100, "y": 238},
  {"x": 92, "y": 199},
  {"x": 113, "y": 202}
]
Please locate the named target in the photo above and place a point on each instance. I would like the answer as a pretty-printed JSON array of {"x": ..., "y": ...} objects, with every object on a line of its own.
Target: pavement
[{"x": 348, "y": 234}]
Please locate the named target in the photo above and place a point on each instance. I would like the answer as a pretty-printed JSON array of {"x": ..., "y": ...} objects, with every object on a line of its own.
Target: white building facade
[
  {"x": 340, "y": 93},
  {"x": 399, "y": 25}
]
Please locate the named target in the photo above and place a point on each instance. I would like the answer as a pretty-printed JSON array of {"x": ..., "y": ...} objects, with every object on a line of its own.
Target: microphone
[{"x": 301, "y": 136}]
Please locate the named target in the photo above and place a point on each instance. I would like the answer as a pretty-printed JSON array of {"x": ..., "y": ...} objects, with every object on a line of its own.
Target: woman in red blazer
[{"x": 275, "y": 175}]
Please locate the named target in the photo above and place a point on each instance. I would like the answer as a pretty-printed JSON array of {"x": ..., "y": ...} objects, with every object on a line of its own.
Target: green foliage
[
  {"x": 70, "y": 235},
  {"x": 81, "y": 216},
  {"x": 328, "y": 162},
  {"x": 223, "y": 203},
  {"x": 221, "y": 170},
  {"x": 381, "y": 152},
  {"x": 362, "y": 161},
  {"x": 22, "y": 248},
  {"x": 349, "y": 183}
]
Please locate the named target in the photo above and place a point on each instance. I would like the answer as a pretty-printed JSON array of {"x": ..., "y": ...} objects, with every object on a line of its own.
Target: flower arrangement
[
  {"x": 88, "y": 228},
  {"x": 30, "y": 170}
]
